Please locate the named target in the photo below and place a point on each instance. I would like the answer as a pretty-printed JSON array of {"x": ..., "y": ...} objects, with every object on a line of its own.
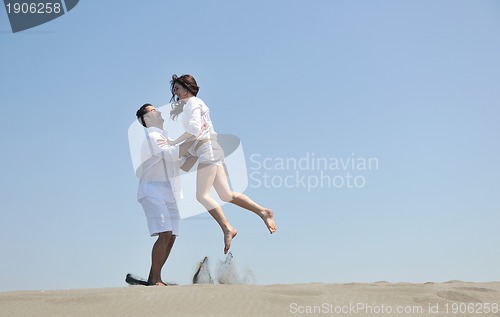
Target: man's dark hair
[{"x": 141, "y": 112}]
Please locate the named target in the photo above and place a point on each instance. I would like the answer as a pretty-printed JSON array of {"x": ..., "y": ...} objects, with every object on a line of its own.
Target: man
[{"x": 159, "y": 187}]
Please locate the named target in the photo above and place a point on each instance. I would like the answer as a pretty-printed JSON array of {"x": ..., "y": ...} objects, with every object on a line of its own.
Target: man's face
[{"x": 153, "y": 117}]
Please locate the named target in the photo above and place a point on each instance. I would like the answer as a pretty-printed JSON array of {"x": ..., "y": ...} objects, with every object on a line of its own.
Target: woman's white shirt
[{"x": 194, "y": 116}]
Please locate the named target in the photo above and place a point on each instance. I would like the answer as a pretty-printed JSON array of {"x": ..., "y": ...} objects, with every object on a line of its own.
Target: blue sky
[{"x": 413, "y": 84}]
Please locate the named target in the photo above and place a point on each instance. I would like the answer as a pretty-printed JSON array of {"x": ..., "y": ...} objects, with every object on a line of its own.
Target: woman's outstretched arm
[{"x": 183, "y": 137}]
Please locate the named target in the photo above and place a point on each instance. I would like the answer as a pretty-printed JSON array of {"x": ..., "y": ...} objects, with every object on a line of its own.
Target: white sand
[{"x": 376, "y": 299}]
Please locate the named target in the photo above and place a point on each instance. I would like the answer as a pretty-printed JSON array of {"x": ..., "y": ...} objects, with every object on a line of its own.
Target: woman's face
[{"x": 180, "y": 91}]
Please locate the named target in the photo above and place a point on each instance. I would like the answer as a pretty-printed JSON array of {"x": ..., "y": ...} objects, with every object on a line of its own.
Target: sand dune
[{"x": 453, "y": 298}]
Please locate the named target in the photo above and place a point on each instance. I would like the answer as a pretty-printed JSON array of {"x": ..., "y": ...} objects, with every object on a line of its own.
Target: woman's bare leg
[
  {"x": 221, "y": 185},
  {"x": 204, "y": 180}
]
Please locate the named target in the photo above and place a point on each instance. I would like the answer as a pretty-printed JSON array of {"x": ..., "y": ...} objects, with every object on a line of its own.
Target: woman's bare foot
[
  {"x": 228, "y": 237},
  {"x": 267, "y": 216}
]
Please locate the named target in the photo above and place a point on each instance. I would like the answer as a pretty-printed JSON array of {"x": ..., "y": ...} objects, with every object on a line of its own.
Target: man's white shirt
[{"x": 159, "y": 171}]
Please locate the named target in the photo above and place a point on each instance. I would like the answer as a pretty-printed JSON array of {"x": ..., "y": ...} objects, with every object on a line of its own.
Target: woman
[{"x": 195, "y": 119}]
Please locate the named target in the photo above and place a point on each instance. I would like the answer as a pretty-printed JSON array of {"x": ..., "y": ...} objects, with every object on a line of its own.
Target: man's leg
[{"x": 159, "y": 255}]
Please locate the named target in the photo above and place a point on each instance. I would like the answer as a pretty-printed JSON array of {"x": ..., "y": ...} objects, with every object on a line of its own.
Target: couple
[{"x": 159, "y": 185}]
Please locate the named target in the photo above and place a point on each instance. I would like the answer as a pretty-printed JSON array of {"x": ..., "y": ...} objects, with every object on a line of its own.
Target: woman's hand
[{"x": 162, "y": 141}]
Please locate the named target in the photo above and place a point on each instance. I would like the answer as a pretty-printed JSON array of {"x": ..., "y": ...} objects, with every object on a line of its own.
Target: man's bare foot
[
  {"x": 159, "y": 283},
  {"x": 228, "y": 237},
  {"x": 268, "y": 218}
]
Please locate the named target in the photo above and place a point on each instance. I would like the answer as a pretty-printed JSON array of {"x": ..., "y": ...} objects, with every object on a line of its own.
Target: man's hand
[{"x": 204, "y": 127}]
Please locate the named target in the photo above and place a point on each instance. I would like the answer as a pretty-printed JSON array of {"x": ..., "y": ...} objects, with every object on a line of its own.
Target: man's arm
[
  {"x": 184, "y": 147},
  {"x": 182, "y": 150},
  {"x": 190, "y": 160},
  {"x": 189, "y": 163}
]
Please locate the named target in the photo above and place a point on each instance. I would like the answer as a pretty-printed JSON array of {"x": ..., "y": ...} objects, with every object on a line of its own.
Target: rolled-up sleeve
[{"x": 194, "y": 117}]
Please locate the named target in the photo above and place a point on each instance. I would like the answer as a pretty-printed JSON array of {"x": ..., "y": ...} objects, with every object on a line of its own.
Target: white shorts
[
  {"x": 161, "y": 215},
  {"x": 210, "y": 152}
]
